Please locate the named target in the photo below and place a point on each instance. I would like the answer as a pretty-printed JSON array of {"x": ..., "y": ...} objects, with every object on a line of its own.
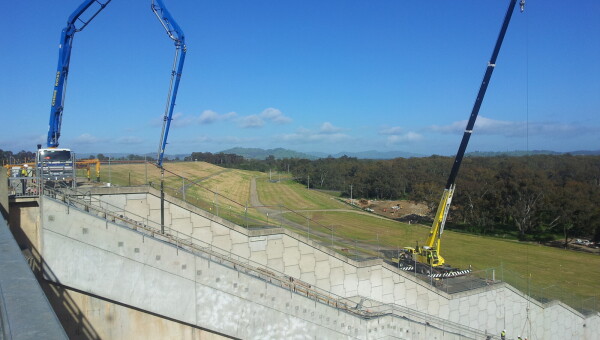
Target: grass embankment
[
  {"x": 224, "y": 192},
  {"x": 552, "y": 272},
  {"x": 539, "y": 270},
  {"x": 567, "y": 275},
  {"x": 295, "y": 196}
]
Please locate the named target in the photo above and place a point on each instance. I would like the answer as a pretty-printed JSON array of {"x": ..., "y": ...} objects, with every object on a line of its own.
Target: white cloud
[
  {"x": 259, "y": 120},
  {"x": 563, "y": 129},
  {"x": 252, "y": 121},
  {"x": 487, "y": 126},
  {"x": 275, "y": 116},
  {"x": 395, "y": 130},
  {"x": 87, "y": 138},
  {"x": 397, "y": 135},
  {"x": 408, "y": 137},
  {"x": 181, "y": 120},
  {"x": 210, "y": 116},
  {"x": 326, "y": 133},
  {"x": 328, "y": 128}
]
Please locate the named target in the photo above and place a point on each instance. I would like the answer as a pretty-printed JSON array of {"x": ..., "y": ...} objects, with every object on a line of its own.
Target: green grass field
[
  {"x": 224, "y": 192},
  {"x": 294, "y": 196},
  {"x": 570, "y": 276}
]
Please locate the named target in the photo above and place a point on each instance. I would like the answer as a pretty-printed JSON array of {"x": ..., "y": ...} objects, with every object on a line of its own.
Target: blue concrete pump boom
[
  {"x": 174, "y": 32},
  {"x": 94, "y": 7},
  {"x": 62, "y": 71}
]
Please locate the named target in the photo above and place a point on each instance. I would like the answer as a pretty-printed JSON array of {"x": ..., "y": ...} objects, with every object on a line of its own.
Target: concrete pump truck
[
  {"x": 58, "y": 164},
  {"x": 429, "y": 255}
]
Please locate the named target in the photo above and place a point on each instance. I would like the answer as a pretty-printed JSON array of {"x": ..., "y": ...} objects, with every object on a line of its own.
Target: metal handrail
[{"x": 226, "y": 258}]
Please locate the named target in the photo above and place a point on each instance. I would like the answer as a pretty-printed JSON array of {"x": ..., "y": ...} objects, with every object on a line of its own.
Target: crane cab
[{"x": 430, "y": 256}]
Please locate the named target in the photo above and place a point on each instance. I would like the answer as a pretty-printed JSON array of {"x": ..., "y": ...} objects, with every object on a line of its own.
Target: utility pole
[
  {"x": 351, "y": 201},
  {"x": 308, "y": 186},
  {"x": 162, "y": 200},
  {"x": 332, "y": 236}
]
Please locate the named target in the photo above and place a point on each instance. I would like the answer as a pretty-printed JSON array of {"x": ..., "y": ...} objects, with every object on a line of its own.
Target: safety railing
[
  {"x": 4, "y": 325},
  {"x": 226, "y": 258},
  {"x": 201, "y": 192}
]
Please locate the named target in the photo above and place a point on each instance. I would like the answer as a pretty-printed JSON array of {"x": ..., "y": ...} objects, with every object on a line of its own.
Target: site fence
[
  {"x": 203, "y": 192},
  {"x": 358, "y": 306},
  {"x": 547, "y": 293}
]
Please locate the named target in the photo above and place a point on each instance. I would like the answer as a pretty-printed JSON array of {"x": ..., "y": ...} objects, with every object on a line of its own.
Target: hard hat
[{"x": 26, "y": 165}]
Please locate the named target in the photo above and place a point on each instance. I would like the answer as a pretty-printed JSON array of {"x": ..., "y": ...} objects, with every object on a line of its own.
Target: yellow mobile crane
[{"x": 430, "y": 252}]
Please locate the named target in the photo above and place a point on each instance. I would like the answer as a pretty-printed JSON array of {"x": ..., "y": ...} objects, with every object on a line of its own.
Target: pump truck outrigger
[
  {"x": 429, "y": 255},
  {"x": 59, "y": 164}
]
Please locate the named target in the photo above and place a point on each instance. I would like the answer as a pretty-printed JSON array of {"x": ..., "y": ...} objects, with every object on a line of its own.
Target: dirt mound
[
  {"x": 413, "y": 218},
  {"x": 395, "y": 209}
]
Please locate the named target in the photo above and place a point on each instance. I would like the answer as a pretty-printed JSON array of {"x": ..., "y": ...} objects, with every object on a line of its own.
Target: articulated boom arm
[
  {"x": 431, "y": 251},
  {"x": 175, "y": 33},
  {"x": 62, "y": 71}
]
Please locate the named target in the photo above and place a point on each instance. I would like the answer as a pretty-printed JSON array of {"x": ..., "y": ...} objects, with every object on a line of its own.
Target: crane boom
[
  {"x": 430, "y": 252},
  {"x": 176, "y": 34},
  {"x": 62, "y": 70}
]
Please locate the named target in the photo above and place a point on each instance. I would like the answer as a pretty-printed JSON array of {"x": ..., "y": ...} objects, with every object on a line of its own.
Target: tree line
[
  {"x": 9, "y": 157},
  {"x": 535, "y": 197}
]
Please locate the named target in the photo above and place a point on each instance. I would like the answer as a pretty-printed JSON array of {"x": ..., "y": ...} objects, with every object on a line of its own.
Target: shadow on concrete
[
  {"x": 75, "y": 324},
  {"x": 70, "y": 316}
]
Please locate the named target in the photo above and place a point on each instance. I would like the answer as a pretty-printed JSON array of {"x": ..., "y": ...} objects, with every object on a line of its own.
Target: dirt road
[{"x": 255, "y": 203}]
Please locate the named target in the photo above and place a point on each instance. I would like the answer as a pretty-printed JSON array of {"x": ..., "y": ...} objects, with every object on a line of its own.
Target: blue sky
[{"x": 326, "y": 76}]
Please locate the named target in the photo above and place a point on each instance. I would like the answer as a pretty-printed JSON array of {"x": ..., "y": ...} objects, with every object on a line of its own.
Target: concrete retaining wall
[
  {"x": 488, "y": 309},
  {"x": 101, "y": 258}
]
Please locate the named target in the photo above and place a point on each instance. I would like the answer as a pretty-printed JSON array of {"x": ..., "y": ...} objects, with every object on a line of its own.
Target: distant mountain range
[
  {"x": 257, "y": 153},
  {"x": 371, "y": 154},
  {"x": 518, "y": 153},
  {"x": 279, "y": 153}
]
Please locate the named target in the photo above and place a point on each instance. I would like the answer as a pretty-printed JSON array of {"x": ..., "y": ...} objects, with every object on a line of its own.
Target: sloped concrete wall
[
  {"x": 488, "y": 309},
  {"x": 98, "y": 257}
]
